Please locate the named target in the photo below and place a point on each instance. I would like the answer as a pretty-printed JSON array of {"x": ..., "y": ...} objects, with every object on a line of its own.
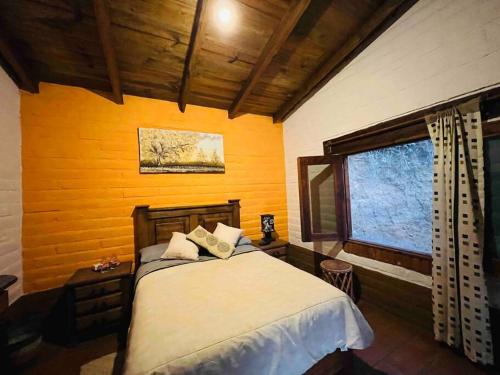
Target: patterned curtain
[{"x": 460, "y": 301}]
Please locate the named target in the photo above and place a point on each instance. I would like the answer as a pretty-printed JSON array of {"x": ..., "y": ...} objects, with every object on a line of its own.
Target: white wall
[
  {"x": 438, "y": 50},
  {"x": 10, "y": 184}
]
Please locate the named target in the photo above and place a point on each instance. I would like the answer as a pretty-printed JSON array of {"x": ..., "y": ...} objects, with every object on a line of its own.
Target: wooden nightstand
[
  {"x": 98, "y": 303},
  {"x": 277, "y": 248}
]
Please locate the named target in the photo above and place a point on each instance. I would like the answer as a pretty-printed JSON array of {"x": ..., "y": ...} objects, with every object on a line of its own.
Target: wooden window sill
[{"x": 421, "y": 263}]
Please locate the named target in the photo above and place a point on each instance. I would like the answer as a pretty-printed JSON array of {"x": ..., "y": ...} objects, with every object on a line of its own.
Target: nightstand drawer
[
  {"x": 98, "y": 320},
  {"x": 97, "y": 289},
  {"x": 277, "y": 252},
  {"x": 95, "y": 305}
]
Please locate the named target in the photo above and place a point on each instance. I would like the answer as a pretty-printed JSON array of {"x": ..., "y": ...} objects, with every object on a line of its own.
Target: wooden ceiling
[{"x": 275, "y": 55}]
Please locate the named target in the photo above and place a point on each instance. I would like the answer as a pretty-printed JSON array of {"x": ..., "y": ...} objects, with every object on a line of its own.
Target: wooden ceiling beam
[
  {"x": 197, "y": 33},
  {"x": 104, "y": 28},
  {"x": 381, "y": 20},
  {"x": 272, "y": 47},
  {"x": 23, "y": 77}
]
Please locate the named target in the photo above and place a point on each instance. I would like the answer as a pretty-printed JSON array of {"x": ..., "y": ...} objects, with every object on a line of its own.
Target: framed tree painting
[{"x": 175, "y": 151}]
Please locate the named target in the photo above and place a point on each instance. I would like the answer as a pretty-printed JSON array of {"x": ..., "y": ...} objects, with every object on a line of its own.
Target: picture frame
[{"x": 179, "y": 151}]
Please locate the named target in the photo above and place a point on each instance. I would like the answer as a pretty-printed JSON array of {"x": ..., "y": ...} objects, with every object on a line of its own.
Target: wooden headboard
[{"x": 155, "y": 225}]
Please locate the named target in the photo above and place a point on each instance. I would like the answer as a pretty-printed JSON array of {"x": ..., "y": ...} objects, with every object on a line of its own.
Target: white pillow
[
  {"x": 180, "y": 248},
  {"x": 227, "y": 234}
]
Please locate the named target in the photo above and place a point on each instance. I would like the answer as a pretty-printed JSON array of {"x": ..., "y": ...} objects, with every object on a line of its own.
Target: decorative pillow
[
  {"x": 180, "y": 248},
  {"x": 228, "y": 234},
  {"x": 244, "y": 240},
  {"x": 215, "y": 246},
  {"x": 153, "y": 252}
]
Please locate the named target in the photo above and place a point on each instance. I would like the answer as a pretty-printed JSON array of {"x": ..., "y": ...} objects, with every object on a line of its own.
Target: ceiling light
[{"x": 225, "y": 14}]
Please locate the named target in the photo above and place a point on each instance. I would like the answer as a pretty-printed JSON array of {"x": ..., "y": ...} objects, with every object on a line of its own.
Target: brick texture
[
  {"x": 438, "y": 50},
  {"x": 10, "y": 184},
  {"x": 81, "y": 176}
]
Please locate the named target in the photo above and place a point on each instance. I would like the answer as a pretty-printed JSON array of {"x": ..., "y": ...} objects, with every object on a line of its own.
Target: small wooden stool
[{"x": 339, "y": 274}]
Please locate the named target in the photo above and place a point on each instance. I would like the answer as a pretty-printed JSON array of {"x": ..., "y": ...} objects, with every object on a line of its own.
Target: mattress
[{"x": 249, "y": 314}]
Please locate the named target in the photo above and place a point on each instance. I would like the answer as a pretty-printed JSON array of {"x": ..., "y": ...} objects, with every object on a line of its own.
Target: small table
[
  {"x": 277, "y": 248},
  {"x": 339, "y": 274}
]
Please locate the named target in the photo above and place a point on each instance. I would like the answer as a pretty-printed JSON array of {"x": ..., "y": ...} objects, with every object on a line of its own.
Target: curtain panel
[{"x": 460, "y": 300}]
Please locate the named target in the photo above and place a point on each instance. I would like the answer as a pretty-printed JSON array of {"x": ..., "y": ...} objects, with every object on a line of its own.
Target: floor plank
[{"x": 401, "y": 348}]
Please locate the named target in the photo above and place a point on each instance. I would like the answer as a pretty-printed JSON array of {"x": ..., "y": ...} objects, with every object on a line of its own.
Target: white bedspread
[{"x": 250, "y": 314}]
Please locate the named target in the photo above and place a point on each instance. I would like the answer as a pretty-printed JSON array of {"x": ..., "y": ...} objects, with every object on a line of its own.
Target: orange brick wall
[{"x": 81, "y": 179}]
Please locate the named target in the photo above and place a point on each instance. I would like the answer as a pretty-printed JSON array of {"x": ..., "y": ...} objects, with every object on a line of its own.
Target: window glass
[
  {"x": 391, "y": 196},
  {"x": 322, "y": 198}
]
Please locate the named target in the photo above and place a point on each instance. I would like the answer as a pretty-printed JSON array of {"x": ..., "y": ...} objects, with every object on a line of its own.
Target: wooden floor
[
  {"x": 402, "y": 348},
  {"x": 55, "y": 359},
  {"x": 399, "y": 348}
]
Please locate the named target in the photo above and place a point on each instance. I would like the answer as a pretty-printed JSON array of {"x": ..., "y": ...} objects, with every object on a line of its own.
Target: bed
[{"x": 249, "y": 314}]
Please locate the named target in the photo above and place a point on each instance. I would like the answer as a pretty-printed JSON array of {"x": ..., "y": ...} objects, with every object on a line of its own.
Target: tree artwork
[{"x": 172, "y": 151}]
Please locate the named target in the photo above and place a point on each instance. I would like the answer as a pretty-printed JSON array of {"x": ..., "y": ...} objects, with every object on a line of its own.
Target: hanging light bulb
[{"x": 225, "y": 15}]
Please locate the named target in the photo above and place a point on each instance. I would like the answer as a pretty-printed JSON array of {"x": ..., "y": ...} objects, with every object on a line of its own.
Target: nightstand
[
  {"x": 277, "y": 248},
  {"x": 98, "y": 303}
]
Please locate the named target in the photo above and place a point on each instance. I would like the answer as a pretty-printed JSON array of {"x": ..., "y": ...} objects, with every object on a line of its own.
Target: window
[
  {"x": 387, "y": 201},
  {"x": 382, "y": 196},
  {"x": 390, "y": 192}
]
